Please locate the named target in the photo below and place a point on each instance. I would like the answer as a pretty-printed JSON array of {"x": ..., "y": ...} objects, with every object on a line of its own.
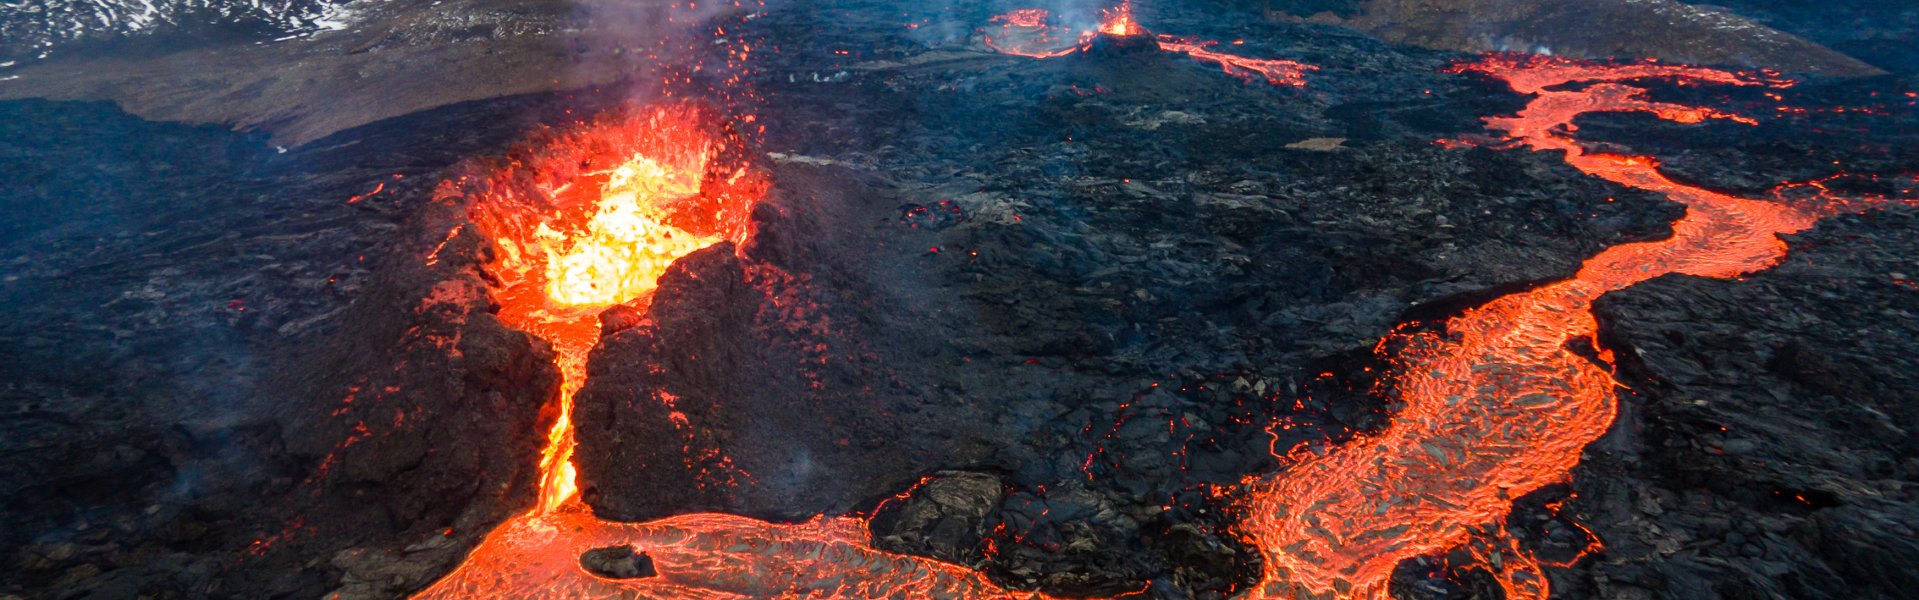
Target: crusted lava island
[{"x": 1261, "y": 299}]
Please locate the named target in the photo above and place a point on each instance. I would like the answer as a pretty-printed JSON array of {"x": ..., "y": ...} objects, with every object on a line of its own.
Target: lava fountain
[
  {"x": 1031, "y": 33},
  {"x": 590, "y": 219},
  {"x": 1500, "y": 405},
  {"x": 1119, "y": 22}
]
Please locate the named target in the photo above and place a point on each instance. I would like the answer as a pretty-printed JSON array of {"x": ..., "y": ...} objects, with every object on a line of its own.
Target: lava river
[
  {"x": 1499, "y": 406},
  {"x": 1496, "y": 407}
]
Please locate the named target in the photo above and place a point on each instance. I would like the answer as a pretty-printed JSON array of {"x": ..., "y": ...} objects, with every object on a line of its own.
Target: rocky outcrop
[{"x": 946, "y": 516}]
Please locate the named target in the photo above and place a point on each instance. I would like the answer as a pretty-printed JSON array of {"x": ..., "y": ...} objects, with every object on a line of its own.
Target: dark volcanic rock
[
  {"x": 1145, "y": 277},
  {"x": 222, "y": 379},
  {"x": 1101, "y": 278},
  {"x": 1767, "y": 451},
  {"x": 760, "y": 390},
  {"x": 437, "y": 429},
  {"x": 944, "y": 517},
  {"x": 660, "y": 462},
  {"x": 618, "y": 562},
  {"x": 1061, "y": 543}
]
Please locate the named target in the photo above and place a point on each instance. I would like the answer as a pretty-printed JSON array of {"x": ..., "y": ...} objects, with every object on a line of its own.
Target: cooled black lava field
[{"x": 1414, "y": 299}]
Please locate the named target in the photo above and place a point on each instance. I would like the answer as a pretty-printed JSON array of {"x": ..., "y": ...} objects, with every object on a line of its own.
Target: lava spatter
[
  {"x": 1119, "y": 21},
  {"x": 592, "y": 219},
  {"x": 1031, "y": 33},
  {"x": 1498, "y": 406}
]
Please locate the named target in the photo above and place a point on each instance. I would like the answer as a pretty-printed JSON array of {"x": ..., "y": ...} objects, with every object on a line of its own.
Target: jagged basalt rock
[
  {"x": 945, "y": 517},
  {"x": 618, "y": 562},
  {"x": 1117, "y": 45},
  {"x": 618, "y": 318},
  {"x": 1769, "y": 451},
  {"x": 667, "y": 462}
]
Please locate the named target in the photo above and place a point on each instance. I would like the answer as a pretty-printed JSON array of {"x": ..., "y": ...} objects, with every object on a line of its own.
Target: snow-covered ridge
[{"x": 37, "y": 28}]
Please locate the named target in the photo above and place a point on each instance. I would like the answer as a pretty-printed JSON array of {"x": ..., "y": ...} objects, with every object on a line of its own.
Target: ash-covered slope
[
  {"x": 1664, "y": 29},
  {"x": 395, "y": 59},
  {"x": 1880, "y": 32}
]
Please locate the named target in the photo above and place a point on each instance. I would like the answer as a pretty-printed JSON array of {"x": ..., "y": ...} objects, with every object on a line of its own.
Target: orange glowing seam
[
  {"x": 1274, "y": 71},
  {"x": 377, "y": 188}
]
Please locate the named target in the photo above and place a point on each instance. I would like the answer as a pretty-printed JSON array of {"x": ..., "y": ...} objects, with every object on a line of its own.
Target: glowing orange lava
[
  {"x": 705, "y": 556},
  {"x": 592, "y": 218},
  {"x": 1275, "y": 71},
  {"x": 1119, "y": 21},
  {"x": 1498, "y": 406},
  {"x": 1029, "y": 33},
  {"x": 1495, "y": 408},
  {"x": 593, "y": 222},
  {"x": 1027, "y": 17}
]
